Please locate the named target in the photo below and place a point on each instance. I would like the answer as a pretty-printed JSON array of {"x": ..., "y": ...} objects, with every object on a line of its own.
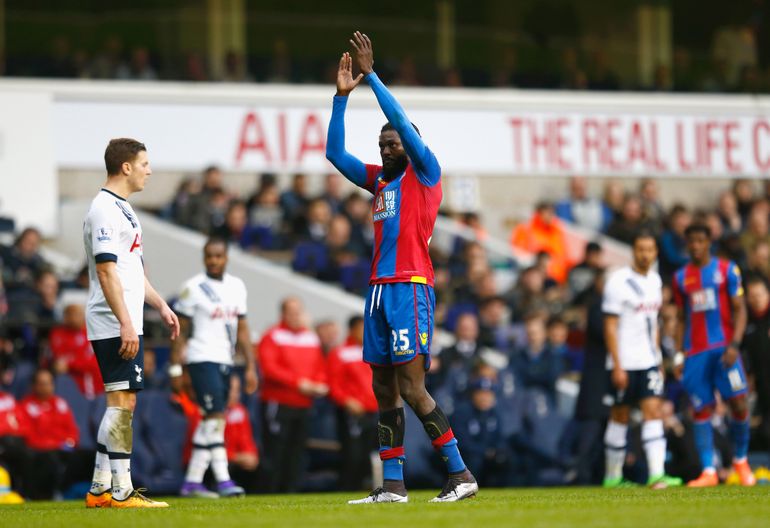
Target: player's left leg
[
  {"x": 411, "y": 382},
  {"x": 731, "y": 383},
  {"x": 654, "y": 442}
]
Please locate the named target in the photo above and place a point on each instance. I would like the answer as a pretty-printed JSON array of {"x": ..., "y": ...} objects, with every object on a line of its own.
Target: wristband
[
  {"x": 175, "y": 371},
  {"x": 678, "y": 359}
]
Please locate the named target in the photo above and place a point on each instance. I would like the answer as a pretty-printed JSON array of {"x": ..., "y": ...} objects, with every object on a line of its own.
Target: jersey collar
[{"x": 115, "y": 195}]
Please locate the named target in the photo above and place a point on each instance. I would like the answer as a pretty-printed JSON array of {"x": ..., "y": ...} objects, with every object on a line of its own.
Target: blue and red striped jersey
[
  {"x": 404, "y": 209},
  {"x": 705, "y": 295}
]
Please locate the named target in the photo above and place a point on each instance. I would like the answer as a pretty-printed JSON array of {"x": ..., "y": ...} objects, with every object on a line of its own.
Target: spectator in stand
[
  {"x": 266, "y": 215},
  {"x": 613, "y": 197},
  {"x": 200, "y": 208},
  {"x": 601, "y": 77},
  {"x": 195, "y": 68},
  {"x": 535, "y": 364},
  {"x": 581, "y": 277},
  {"x": 140, "y": 68},
  {"x": 462, "y": 354},
  {"x": 109, "y": 60},
  {"x": 350, "y": 388},
  {"x": 727, "y": 209},
  {"x": 180, "y": 208},
  {"x": 357, "y": 209},
  {"x": 217, "y": 210},
  {"x": 12, "y": 451},
  {"x": 673, "y": 246},
  {"x": 495, "y": 330},
  {"x": 332, "y": 192},
  {"x": 328, "y": 332},
  {"x": 235, "y": 68},
  {"x": 341, "y": 251},
  {"x": 630, "y": 221},
  {"x": 294, "y": 202},
  {"x": 756, "y": 344},
  {"x": 557, "y": 331},
  {"x": 478, "y": 425},
  {"x": 50, "y": 434},
  {"x": 652, "y": 209},
  {"x": 72, "y": 354},
  {"x": 528, "y": 295},
  {"x": 316, "y": 225},
  {"x": 544, "y": 232},
  {"x": 22, "y": 263},
  {"x": 581, "y": 209},
  {"x": 236, "y": 229},
  {"x": 242, "y": 453},
  {"x": 758, "y": 261},
  {"x": 745, "y": 195},
  {"x": 293, "y": 374},
  {"x": 47, "y": 286},
  {"x": 757, "y": 227},
  {"x": 280, "y": 68}
]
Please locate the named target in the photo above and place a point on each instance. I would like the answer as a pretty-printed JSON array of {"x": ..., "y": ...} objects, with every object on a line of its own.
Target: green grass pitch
[{"x": 723, "y": 507}]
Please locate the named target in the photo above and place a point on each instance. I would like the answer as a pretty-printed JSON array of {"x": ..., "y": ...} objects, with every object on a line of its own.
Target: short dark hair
[
  {"x": 697, "y": 228},
  {"x": 643, "y": 233},
  {"x": 387, "y": 126},
  {"x": 215, "y": 240},
  {"x": 754, "y": 278},
  {"x": 593, "y": 247},
  {"x": 120, "y": 151},
  {"x": 355, "y": 320}
]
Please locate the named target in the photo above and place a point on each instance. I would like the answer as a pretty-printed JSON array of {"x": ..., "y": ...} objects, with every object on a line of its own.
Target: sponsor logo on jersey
[
  {"x": 136, "y": 244},
  {"x": 385, "y": 206},
  {"x": 403, "y": 352},
  {"x": 424, "y": 338}
]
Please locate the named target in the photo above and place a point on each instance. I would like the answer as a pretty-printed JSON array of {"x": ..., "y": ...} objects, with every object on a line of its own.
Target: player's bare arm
[
  {"x": 732, "y": 352},
  {"x": 167, "y": 315},
  {"x": 176, "y": 356},
  {"x": 619, "y": 376},
  {"x": 107, "y": 272},
  {"x": 364, "y": 52},
  {"x": 345, "y": 81},
  {"x": 244, "y": 349}
]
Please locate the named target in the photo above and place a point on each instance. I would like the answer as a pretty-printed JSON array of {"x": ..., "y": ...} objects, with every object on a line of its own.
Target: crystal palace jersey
[
  {"x": 705, "y": 295},
  {"x": 112, "y": 233},
  {"x": 214, "y": 307},
  {"x": 404, "y": 209}
]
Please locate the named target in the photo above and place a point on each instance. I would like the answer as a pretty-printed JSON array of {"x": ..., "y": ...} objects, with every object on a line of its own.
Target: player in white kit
[
  {"x": 118, "y": 290},
  {"x": 212, "y": 313},
  {"x": 632, "y": 300}
]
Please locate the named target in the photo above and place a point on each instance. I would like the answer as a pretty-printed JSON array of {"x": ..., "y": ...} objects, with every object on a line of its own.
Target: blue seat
[
  {"x": 81, "y": 409},
  {"x": 22, "y": 379}
]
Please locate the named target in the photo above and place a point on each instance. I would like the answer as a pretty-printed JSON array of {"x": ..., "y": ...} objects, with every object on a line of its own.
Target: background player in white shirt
[
  {"x": 632, "y": 300},
  {"x": 213, "y": 306},
  {"x": 117, "y": 293}
]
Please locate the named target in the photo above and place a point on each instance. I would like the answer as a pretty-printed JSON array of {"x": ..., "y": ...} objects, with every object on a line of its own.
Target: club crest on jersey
[
  {"x": 385, "y": 206},
  {"x": 138, "y": 370},
  {"x": 104, "y": 234},
  {"x": 718, "y": 278}
]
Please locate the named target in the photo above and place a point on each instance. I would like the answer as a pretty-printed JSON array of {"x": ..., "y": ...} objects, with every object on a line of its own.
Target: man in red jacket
[
  {"x": 350, "y": 387},
  {"x": 72, "y": 352},
  {"x": 293, "y": 374},
  {"x": 12, "y": 451},
  {"x": 242, "y": 453},
  {"x": 50, "y": 433}
]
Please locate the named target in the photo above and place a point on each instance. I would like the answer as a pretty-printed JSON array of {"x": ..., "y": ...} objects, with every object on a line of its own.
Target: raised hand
[
  {"x": 345, "y": 81},
  {"x": 364, "y": 52}
]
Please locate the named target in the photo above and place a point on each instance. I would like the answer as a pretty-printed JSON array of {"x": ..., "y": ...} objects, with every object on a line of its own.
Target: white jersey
[
  {"x": 111, "y": 232},
  {"x": 636, "y": 300},
  {"x": 214, "y": 308}
]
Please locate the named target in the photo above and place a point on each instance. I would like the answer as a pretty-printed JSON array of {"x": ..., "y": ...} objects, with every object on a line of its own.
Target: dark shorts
[
  {"x": 642, "y": 384},
  {"x": 118, "y": 373},
  {"x": 211, "y": 383},
  {"x": 398, "y": 323}
]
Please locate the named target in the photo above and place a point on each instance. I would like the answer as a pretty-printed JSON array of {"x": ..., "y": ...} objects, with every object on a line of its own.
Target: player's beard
[{"x": 394, "y": 168}]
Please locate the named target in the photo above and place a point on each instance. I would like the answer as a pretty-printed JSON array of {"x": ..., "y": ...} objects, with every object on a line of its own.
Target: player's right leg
[
  {"x": 122, "y": 379},
  {"x": 732, "y": 385},
  {"x": 654, "y": 437},
  {"x": 615, "y": 445},
  {"x": 698, "y": 382}
]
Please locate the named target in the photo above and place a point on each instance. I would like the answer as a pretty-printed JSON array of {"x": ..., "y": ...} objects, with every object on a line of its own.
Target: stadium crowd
[{"x": 507, "y": 377}]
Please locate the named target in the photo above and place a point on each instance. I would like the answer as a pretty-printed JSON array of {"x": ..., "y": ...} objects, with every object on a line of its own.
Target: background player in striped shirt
[
  {"x": 709, "y": 294},
  {"x": 212, "y": 310},
  {"x": 632, "y": 299},
  {"x": 399, "y": 308},
  {"x": 118, "y": 290}
]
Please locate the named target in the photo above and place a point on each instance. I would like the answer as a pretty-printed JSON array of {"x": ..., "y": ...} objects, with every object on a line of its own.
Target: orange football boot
[
  {"x": 744, "y": 472},
  {"x": 137, "y": 500},
  {"x": 98, "y": 501},
  {"x": 707, "y": 479}
]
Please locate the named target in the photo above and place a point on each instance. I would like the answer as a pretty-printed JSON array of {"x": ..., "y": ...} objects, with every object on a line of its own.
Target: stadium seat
[{"x": 81, "y": 409}]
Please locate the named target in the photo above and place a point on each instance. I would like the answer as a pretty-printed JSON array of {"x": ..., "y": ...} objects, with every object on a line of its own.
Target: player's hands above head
[
  {"x": 730, "y": 356},
  {"x": 345, "y": 81},
  {"x": 252, "y": 382},
  {"x": 129, "y": 342},
  {"x": 619, "y": 378},
  {"x": 364, "y": 52},
  {"x": 171, "y": 321}
]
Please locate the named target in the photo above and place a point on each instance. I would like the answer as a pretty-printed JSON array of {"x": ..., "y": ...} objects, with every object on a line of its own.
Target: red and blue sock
[
  {"x": 704, "y": 438},
  {"x": 443, "y": 439},
  {"x": 391, "y": 428}
]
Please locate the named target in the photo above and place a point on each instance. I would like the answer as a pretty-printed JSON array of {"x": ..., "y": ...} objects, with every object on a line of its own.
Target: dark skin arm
[
  {"x": 243, "y": 347},
  {"x": 740, "y": 317},
  {"x": 619, "y": 376},
  {"x": 364, "y": 52},
  {"x": 345, "y": 81}
]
